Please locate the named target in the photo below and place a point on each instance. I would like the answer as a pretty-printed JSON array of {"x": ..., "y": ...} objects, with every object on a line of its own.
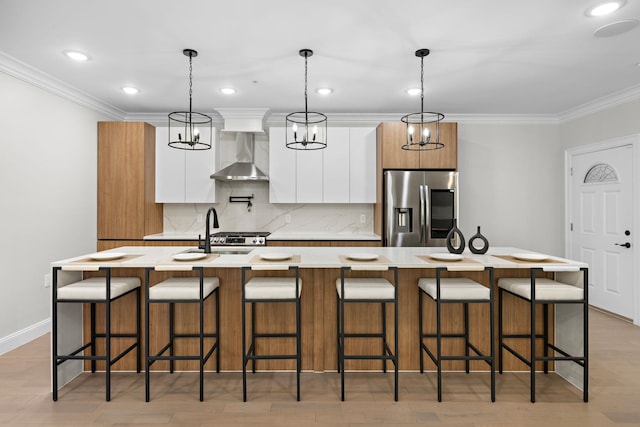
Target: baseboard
[{"x": 15, "y": 340}]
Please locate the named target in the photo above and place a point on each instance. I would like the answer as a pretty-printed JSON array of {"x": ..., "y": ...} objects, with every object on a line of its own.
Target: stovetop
[{"x": 240, "y": 238}]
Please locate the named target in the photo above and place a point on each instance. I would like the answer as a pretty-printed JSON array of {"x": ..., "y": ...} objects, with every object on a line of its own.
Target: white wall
[
  {"x": 511, "y": 184},
  {"x": 48, "y": 192},
  {"x": 615, "y": 122}
]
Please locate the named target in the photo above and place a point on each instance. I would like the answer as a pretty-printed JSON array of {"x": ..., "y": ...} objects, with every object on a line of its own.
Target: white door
[{"x": 601, "y": 196}]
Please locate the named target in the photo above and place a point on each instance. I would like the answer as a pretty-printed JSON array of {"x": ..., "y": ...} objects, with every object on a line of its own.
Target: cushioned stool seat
[
  {"x": 370, "y": 288},
  {"x": 546, "y": 289},
  {"x": 183, "y": 288},
  {"x": 267, "y": 288},
  {"x": 95, "y": 288},
  {"x": 454, "y": 288}
]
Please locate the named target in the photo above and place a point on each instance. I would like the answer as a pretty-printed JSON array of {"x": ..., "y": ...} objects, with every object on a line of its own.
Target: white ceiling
[{"x": 487, "y": 57}]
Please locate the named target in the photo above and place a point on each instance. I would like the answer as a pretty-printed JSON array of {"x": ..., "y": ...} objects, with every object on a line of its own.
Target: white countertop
[
  {"x": 276, "y": 236},
  {"x": 311, "y": 257}
]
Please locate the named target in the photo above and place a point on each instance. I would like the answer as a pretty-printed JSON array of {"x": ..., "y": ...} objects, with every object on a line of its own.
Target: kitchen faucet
[{"x": 207, "y": 241}]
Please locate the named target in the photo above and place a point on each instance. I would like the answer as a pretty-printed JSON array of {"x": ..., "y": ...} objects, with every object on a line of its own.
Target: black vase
[
  {"x": 451, "y": 237},
  {"x": 474, "y": 240}
]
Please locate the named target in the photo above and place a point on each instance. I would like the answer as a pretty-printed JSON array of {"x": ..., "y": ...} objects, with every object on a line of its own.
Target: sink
[{"x": 221, "y": 250}]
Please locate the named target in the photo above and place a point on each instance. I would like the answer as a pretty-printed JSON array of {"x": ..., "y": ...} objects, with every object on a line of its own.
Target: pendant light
[
  {"x": 423, "y": 128},
  {"x": 190, "y": 130},
  {"x": 306, "y": 130}
]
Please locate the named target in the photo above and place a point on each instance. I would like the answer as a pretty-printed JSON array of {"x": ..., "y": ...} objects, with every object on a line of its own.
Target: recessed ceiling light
[
  {"x": 414, "y": 91},
  {"x": 605, "y": 8},
  {"x": 130, "y": 90},
  {"x": 76, "y": 56},
  {"x": 324, "y": 90},
  {"x": 228, "y": 90}
]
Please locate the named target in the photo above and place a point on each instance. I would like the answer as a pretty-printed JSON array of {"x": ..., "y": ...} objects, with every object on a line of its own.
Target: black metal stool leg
[
  {"x": 383, "y": 307},
  {"x": 420, "y": 330},
  {"x": 108, "y": 336}
]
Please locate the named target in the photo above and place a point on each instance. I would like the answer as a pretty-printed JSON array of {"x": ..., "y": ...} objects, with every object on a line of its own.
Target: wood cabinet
[
  {"x": 392, "y": 135},
  {"x": 389, "y": 139},
  {"x": 183, "y": 176},
  {"x": 344, "y": 172},
  {"x": 126, "y": 181}
]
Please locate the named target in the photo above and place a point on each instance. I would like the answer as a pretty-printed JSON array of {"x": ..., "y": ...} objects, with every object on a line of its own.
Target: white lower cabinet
[
  {"x": 344, "y": 172},
  {"x": 182, "y": 176}
]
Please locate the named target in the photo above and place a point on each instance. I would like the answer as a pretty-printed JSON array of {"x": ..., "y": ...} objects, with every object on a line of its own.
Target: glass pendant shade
[
  {"x": 190, "y": 130},
  {"x": 423, "y": 128},
  {"x": 306, "y": 130}
]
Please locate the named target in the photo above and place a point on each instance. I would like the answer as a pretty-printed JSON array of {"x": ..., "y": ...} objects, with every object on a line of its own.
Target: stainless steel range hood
[
  {"x": 244, "y": 122},
  {"x": 243, "y": 169}
]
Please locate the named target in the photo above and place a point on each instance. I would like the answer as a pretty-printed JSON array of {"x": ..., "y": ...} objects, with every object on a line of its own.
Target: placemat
[
  {"x": 520, "y": 261},
  {"x": 91, "y": 261},
  {"x": 294, "y": 259},
  {"x": 380, "y": 260},
  {"x": 464, "y": 260}
]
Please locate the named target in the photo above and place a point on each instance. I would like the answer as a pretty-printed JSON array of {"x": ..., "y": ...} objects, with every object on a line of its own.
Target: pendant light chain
[
  {"x": 306, "y": 108},
  {"x": 422, "y": 89},
  {"x": 190, "y": 80}
]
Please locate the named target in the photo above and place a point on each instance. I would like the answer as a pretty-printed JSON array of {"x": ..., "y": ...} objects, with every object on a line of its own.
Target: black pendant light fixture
[
  {"x": 189, "y": 130},
  {"x": 423, "y": 128},
  {"x": 306, "y": 130}
]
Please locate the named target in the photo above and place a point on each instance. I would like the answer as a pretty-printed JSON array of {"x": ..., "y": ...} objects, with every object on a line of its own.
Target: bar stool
[
  {"x": 270, "y": 290},
  {"x": 96, "y": 290},
  {"x": 190, "y": 290},
  {"x": 456, "y": 290},
  {"x": 368, "y": 290},
  {"x": 545, "y": 292}
]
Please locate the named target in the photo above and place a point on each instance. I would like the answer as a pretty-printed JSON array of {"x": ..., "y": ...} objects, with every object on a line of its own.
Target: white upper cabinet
[
  {"x": 344, "y": 172},
  {"x": 182, "y": 176},
  {"x": 335, "y": 169},
  {"x": 362, "y": 165},
  {"x": 282, "y": 168}
]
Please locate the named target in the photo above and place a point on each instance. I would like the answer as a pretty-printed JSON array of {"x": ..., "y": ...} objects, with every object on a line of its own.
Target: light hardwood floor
[{"x": 25, "y": 397}]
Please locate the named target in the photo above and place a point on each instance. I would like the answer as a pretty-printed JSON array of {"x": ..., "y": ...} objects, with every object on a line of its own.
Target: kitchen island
[{"x": 319, "y": 269}]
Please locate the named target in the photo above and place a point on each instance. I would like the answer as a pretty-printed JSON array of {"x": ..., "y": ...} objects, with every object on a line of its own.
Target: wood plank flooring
[{"x": 25, "y": 397}]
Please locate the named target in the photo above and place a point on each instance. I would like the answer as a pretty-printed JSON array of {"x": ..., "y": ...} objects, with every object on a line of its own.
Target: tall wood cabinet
[
  {"x": 126, "y": 181},
  {"x": 390, "y": 136}
]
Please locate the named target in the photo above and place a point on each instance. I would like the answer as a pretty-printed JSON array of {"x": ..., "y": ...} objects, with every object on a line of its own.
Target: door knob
[{"x": 626, "y": 245}]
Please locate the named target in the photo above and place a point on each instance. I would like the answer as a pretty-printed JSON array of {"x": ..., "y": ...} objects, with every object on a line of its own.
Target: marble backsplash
[{"x": 264, "y": 216}]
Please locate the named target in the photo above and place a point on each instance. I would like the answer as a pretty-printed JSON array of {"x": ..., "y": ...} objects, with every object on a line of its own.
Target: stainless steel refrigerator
[{"x": 419, "y": 207}]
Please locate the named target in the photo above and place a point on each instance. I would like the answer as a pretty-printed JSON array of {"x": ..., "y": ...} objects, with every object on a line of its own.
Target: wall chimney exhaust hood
[{"x": 245, "y": 123}]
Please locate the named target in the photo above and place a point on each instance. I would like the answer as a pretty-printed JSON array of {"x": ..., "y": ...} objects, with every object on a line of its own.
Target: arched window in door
[{"x": 601, "y": 172}]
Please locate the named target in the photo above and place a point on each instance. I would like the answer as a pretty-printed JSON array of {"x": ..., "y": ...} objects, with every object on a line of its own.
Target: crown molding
[
  {"x": 609, "y": 101},
  {"x": 25, "y": 72},
  {"x": 22, "y": 71}
]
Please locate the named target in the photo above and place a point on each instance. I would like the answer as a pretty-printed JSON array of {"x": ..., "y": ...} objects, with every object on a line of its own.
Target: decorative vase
[
  {"x": 478, "y": 238},
  {"x": 453, "y": 235}
]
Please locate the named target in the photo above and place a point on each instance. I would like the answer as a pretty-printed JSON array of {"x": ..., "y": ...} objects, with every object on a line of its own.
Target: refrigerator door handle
[{"x": 424, "y": 214}]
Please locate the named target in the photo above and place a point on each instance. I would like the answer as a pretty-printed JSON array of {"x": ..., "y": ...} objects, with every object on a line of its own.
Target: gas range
[{"x": 239, "y": 238}]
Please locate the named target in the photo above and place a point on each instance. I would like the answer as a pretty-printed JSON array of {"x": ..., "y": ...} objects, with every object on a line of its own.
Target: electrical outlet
[
  {"x": 199, "y": 218},
  {"x": 47, "y": 280},
  {"x": 287, "y": 219},
  {"x": 363, "y": 218}
]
